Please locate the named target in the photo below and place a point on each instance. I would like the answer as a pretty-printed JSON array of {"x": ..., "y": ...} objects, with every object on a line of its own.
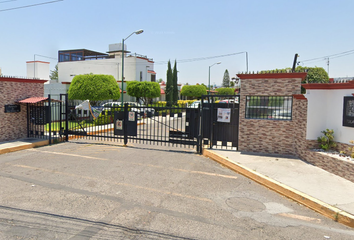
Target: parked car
[
  {"x": 141, "y": 109},
  {"x": 227, "y": 101},
  {"x": 281, "y": 114},
  {"x": 196, "y": 104},
  {"x": 108, "y": 106},
  {"x": 134, "y": 106}
]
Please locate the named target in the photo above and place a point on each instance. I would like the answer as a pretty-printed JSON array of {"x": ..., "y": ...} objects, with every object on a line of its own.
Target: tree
[
  {"x": 314, "y": 74},
  {"x": 203, "y": 85},
  {"x": 226, "y": 79},
  {"x": 54, "y": 73},
  {"x": 225, "y": 91},
  {"x": 193, "y": 91},
  {"x": 94, "y": 87},
  {"x": 145, "y": 90},
  {"x": 160, "y": 80},
  {"x": 175, "y": 84},
  {"x": 169, "y": 85}
]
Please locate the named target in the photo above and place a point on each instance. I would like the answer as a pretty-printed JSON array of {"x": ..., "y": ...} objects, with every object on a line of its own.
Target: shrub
[{"x": 327, "y": 140}]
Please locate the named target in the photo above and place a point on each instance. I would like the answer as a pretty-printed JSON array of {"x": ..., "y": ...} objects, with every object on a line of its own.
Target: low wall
[{"x": 342, "y": 168}]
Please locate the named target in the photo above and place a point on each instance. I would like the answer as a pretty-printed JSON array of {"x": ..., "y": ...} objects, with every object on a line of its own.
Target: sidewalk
[
  {"x": 311, "y": 186},
  {"x": 20, "y": 144}
]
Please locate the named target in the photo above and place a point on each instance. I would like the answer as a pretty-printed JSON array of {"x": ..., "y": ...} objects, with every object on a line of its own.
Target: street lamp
[
  {"x": 209, "y": 75},
  {"x": 136, "y": 32}
]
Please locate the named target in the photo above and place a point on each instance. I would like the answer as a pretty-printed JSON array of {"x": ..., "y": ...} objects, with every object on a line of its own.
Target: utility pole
[{"x": 328, "y": 66}]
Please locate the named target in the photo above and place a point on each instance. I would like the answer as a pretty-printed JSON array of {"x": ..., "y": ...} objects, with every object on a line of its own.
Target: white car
[
  {"x": 108, "y": 106},
  {"x": 281, "y": 114},
  {"x": 196, "y": 104},
  {"x": 144, "y": 111},
  {"x": 135, "y": 107}
]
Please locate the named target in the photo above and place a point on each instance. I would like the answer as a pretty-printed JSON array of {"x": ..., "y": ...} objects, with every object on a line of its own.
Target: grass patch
[{"x": 55, "y": 126}]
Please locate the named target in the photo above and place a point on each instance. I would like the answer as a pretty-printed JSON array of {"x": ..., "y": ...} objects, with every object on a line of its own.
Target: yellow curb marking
[
  {"x": 68, "y": 154},
  {"x": 308, "y": 219},
  {"x": 116, "y": 183}
]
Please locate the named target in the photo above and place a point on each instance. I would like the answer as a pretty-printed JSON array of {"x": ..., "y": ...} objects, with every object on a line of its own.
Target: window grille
[{"x": 269, "y": 107}]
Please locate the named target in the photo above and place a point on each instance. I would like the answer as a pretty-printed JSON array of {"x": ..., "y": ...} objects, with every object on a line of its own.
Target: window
[
  {"x": 153, "y": 78},
  {"x": 269, "y": 107},
  {"x": 348, "y": 112},
  {"x": 141, "y": 76}
]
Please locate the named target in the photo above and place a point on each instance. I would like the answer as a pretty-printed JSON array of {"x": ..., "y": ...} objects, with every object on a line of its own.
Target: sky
[{"x": 195, "y": 33}]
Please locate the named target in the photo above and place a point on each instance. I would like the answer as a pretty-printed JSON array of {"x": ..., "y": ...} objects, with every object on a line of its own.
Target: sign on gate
[
  {"x": 224, "y": 115},
  {"x": 119, "y": 125}
]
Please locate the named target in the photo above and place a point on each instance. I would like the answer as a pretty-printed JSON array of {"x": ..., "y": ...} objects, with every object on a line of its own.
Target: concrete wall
[
  {"x": 55, "y": 89},
  {"x": 68, "y": 70},
  {"x": 38, "y": 69},
  {"x": 266, "y": 135},
  {"x": 325, "y": 110},
  {"x": 111, "y": 66},
  {"x": 14, "y": 125}
]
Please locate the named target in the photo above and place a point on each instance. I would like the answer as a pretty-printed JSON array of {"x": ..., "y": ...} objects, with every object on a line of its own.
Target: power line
[
  {"x": 337, "y": 55},
  {"x": 8, "y": 1},
  {"x": 33, "y": 5},
  {"x": 46, "y": 56},
  {"x": 199, "y": 59}
]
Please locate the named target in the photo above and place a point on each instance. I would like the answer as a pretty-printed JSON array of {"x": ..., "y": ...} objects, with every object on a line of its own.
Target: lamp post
[
  {"x": 136, "y": 32},
  {"x": 209, "y": 75}
]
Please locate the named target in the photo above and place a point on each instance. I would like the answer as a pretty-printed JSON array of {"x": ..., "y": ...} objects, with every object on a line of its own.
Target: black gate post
[
  {"x": 50, "y": 120},
  {"x": 67, "y": 117},
  {"x": 200, "y": 128},
  {"x": 125, "y": 127},
  {"x": 211, "y": 123}
]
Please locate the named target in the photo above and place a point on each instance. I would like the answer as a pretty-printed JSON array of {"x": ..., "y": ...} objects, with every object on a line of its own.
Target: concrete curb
[
  {"x": 323, "y": 208},
  {"x": 24, "y": 146}
]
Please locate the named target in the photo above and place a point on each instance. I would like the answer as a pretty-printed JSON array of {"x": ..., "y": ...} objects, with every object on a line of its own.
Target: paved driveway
[{"x": 88, "y": 190}]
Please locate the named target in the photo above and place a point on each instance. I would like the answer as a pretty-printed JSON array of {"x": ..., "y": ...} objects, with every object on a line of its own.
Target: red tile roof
[{"x": 33, "y": 100}]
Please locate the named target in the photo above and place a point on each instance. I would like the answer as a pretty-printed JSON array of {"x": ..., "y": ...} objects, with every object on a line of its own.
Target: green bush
[{"x": 327, "y": 140}]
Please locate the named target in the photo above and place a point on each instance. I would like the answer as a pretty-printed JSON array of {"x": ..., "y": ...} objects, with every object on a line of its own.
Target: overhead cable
[{"x": 26, "y": 6}]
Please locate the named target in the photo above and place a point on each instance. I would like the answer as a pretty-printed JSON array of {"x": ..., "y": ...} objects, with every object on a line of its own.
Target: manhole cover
[{"x": 245, "y": 204}]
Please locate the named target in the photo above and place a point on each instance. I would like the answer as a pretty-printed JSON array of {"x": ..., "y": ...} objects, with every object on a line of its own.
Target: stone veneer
[
  {"x": 342, "y": 168},
  {"x": 14, "y": 125},
  {"x": 273, "y": 136}
]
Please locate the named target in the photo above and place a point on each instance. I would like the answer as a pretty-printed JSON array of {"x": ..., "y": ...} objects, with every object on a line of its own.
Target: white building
[
  {"x": 38, "y": 70},
  {"x": 82, "y": 61}
]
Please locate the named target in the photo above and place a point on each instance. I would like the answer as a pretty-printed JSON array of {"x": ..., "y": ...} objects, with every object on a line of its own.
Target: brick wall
[
  {"x": 14, "y": 125},
  {"x": 272, "y": 136},
  {"x": 300, "y": 125}
]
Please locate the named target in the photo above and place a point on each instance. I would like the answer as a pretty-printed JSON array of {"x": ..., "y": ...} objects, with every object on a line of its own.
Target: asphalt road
[{"x": 101, "y": 190}]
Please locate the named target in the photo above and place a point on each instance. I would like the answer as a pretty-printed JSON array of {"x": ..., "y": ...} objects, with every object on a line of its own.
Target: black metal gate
[
  {"x": 220, "y": 121},
  {"x": 214, "y": 124},
  {"x": 133, "y": 123}
]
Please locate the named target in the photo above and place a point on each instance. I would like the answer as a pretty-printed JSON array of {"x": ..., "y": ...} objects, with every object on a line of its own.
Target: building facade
[{"x": 82, "y": 61}]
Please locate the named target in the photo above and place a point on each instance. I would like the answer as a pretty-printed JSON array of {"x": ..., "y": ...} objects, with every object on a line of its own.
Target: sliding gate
[
  {"x": 214, "y": 124},
  {"x": 132, "y": 123}
]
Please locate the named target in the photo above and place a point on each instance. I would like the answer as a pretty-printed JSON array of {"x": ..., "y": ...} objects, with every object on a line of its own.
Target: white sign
[
  {"x": 224, "y": 115},
  {"x": 119, "y": 125},
  {"x": 131, "y": 116}
]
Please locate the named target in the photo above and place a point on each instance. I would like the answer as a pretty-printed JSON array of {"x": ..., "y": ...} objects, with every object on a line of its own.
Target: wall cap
[
  {"x": 25, "y": 80},
  {"x": 301, "y": 75},
  {"x": 322, "y": 86}
]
